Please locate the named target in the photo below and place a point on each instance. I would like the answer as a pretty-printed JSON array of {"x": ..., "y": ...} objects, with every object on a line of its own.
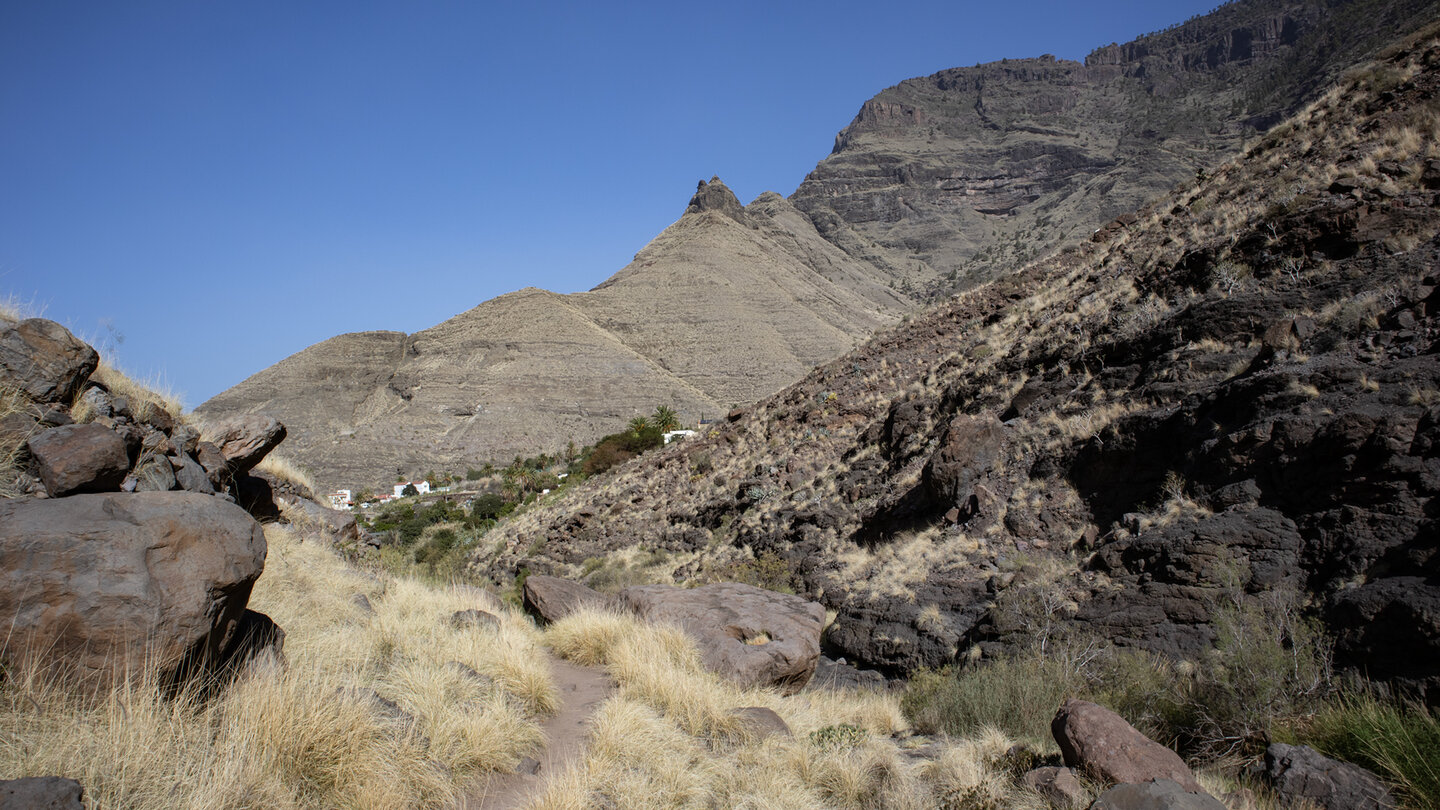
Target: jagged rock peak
[{"x": 716, "y": 196}]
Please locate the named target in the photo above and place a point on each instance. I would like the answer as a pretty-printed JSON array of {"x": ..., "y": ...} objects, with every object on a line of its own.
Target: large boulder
[
  {"x": 41, "y": 793},
  {"x": 44, "y": 360},
  {"x": 116, "y": 585},
  {"x": 1099, "y": 742},
  {"x": 552, "y": 598},
  {"x": 961, "y": 472},
  {"x": 1300, "y": 774},
  {"x": 244, "y": 440},
  {"x": 1161, "y": 794},
  {"x": 750, "y": 635},
  {"x": 80, "y": 458}
]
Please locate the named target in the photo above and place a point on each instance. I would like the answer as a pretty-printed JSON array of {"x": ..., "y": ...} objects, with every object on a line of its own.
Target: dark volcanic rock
[
  {"x": 80, "y": 458},
  {"x": 1301, "y": 774},
  {"x": 41, "y": 793},
  {"x": 1161, "y": 794},
  {"x": 44, "y": 360}
]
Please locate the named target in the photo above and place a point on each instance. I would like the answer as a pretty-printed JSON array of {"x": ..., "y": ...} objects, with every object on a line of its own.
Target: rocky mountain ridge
[
  {"x": 962, "y": 175},
  {"x": 726, "y": 305},
  {"x": 1229, "y": 397}
]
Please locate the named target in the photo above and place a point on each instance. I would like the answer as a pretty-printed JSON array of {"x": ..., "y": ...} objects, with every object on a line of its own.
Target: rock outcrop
[
  {"x": 41, "y": 793},
  {"x": 1161, "y": 794},
  {"x": 552, "y": 599},
  {"x": 120, "y": 584}
]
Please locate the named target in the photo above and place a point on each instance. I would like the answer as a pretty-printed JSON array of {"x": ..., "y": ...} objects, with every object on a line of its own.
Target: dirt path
[{"x": 581, "y": 690}]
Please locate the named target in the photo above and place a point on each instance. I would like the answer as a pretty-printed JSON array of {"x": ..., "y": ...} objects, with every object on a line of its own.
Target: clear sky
[{"x": 203, "y": 188}]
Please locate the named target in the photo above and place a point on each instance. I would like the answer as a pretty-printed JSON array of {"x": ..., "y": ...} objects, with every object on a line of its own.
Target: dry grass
[
  {"x": 312, "y": 734},
  {"x": 12, "y": 401},
  {"x": 141, "y": 395},
  {"x": 668, "y": 739},
  {"x": 281, "y": 467}
]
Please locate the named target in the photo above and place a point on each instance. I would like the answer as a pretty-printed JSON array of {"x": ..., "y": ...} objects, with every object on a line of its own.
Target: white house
[
  {"x": 678, "y": 434},
  {"x": 422, "y": 487},
  {"x": 340, "y": 499}
]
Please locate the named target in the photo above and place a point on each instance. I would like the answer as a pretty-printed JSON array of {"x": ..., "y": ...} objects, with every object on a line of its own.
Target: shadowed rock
[
  {"x": 1299, "y": 774},
  {"x": 1161, "y": 794}
]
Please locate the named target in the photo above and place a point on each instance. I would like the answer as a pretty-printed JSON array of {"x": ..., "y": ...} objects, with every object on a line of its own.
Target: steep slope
[
  {"x": 726, "y": 305},
  {"x": 962, "y": 174},
  {"x": 1234, "y": 400}
]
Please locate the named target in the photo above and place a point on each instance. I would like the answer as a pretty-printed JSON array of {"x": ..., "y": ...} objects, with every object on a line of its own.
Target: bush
[
  {"x": 1019, "y": 694},
  {"x": 1401, "y": 744}
]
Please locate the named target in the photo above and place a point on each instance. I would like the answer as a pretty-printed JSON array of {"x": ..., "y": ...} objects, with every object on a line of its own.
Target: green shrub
[
  {"x": 1020, "y": 694},
  {"x": 1401, "y": 744},
  {"x": 841, "y": 737}
]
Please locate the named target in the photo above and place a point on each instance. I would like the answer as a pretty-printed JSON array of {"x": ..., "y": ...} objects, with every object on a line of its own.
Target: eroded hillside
[{"x": 1235, "y": 396}]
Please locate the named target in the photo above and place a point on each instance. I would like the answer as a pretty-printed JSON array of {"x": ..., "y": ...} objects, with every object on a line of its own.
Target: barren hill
[
  {"x": 961, "y": 175},
  {"x": 1235, "y": 400},
  {"x": 726, "y": 305}
]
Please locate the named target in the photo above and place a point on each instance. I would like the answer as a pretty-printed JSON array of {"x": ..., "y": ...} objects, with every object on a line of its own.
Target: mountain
[
  {"x": 728, "y": 304},
  {"x": 940, "y": 183},
  {"x": 1232, "y": 400},
  {"x": 961, "y": 175}
]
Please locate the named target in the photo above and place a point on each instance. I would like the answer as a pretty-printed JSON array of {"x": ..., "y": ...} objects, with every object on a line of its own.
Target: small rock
[
  {"x": 758, "y": 722},
  {"x": 461, "y": 619},
  {"x": 1058, "y": 785},
  {"x": 154, "y": 474},
  {"x": 190, "y": 475},
  {"x": 362, "y": 602},
  {"x": 529, "y": 766}
]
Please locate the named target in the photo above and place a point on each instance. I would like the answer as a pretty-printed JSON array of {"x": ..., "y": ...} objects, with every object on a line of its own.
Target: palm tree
[
  {"x": 638, "y": 424},
  {"x": 666, "y": 419}
]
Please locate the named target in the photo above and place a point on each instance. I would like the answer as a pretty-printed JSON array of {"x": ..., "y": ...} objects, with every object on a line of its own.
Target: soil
[{"x": 582, "y": 689}]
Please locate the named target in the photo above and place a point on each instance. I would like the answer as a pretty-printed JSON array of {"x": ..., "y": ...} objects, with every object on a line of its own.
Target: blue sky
[{"x": 204, "y": 188}]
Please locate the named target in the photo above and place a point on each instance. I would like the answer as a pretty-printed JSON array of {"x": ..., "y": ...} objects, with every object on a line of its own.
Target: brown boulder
[
  {"x": 80, "y": 458},
  {"x": 1099, "y": 742},
  {"x": 115, "y": 585},
  {"x": 552, "y": 598},
  {"x": 750, "y": 635},
  {"x": 1303, "y": 776},
  {"x": 44, "y": 360},
  {"x": 244, "y": 440}
]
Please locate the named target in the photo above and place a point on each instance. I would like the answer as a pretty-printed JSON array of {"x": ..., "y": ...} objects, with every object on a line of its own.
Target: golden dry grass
[
  {"x": 283, "y": 468},
  {"x": 315, "y": 733},
  {"x": 669, "y": 738}
]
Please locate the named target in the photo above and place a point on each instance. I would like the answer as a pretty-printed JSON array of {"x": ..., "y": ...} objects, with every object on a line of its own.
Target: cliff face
[
  {"x": 725, "y": 306},
  {"x": 960, "y": 175},
  {"x": 1235, "y": 398}
]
